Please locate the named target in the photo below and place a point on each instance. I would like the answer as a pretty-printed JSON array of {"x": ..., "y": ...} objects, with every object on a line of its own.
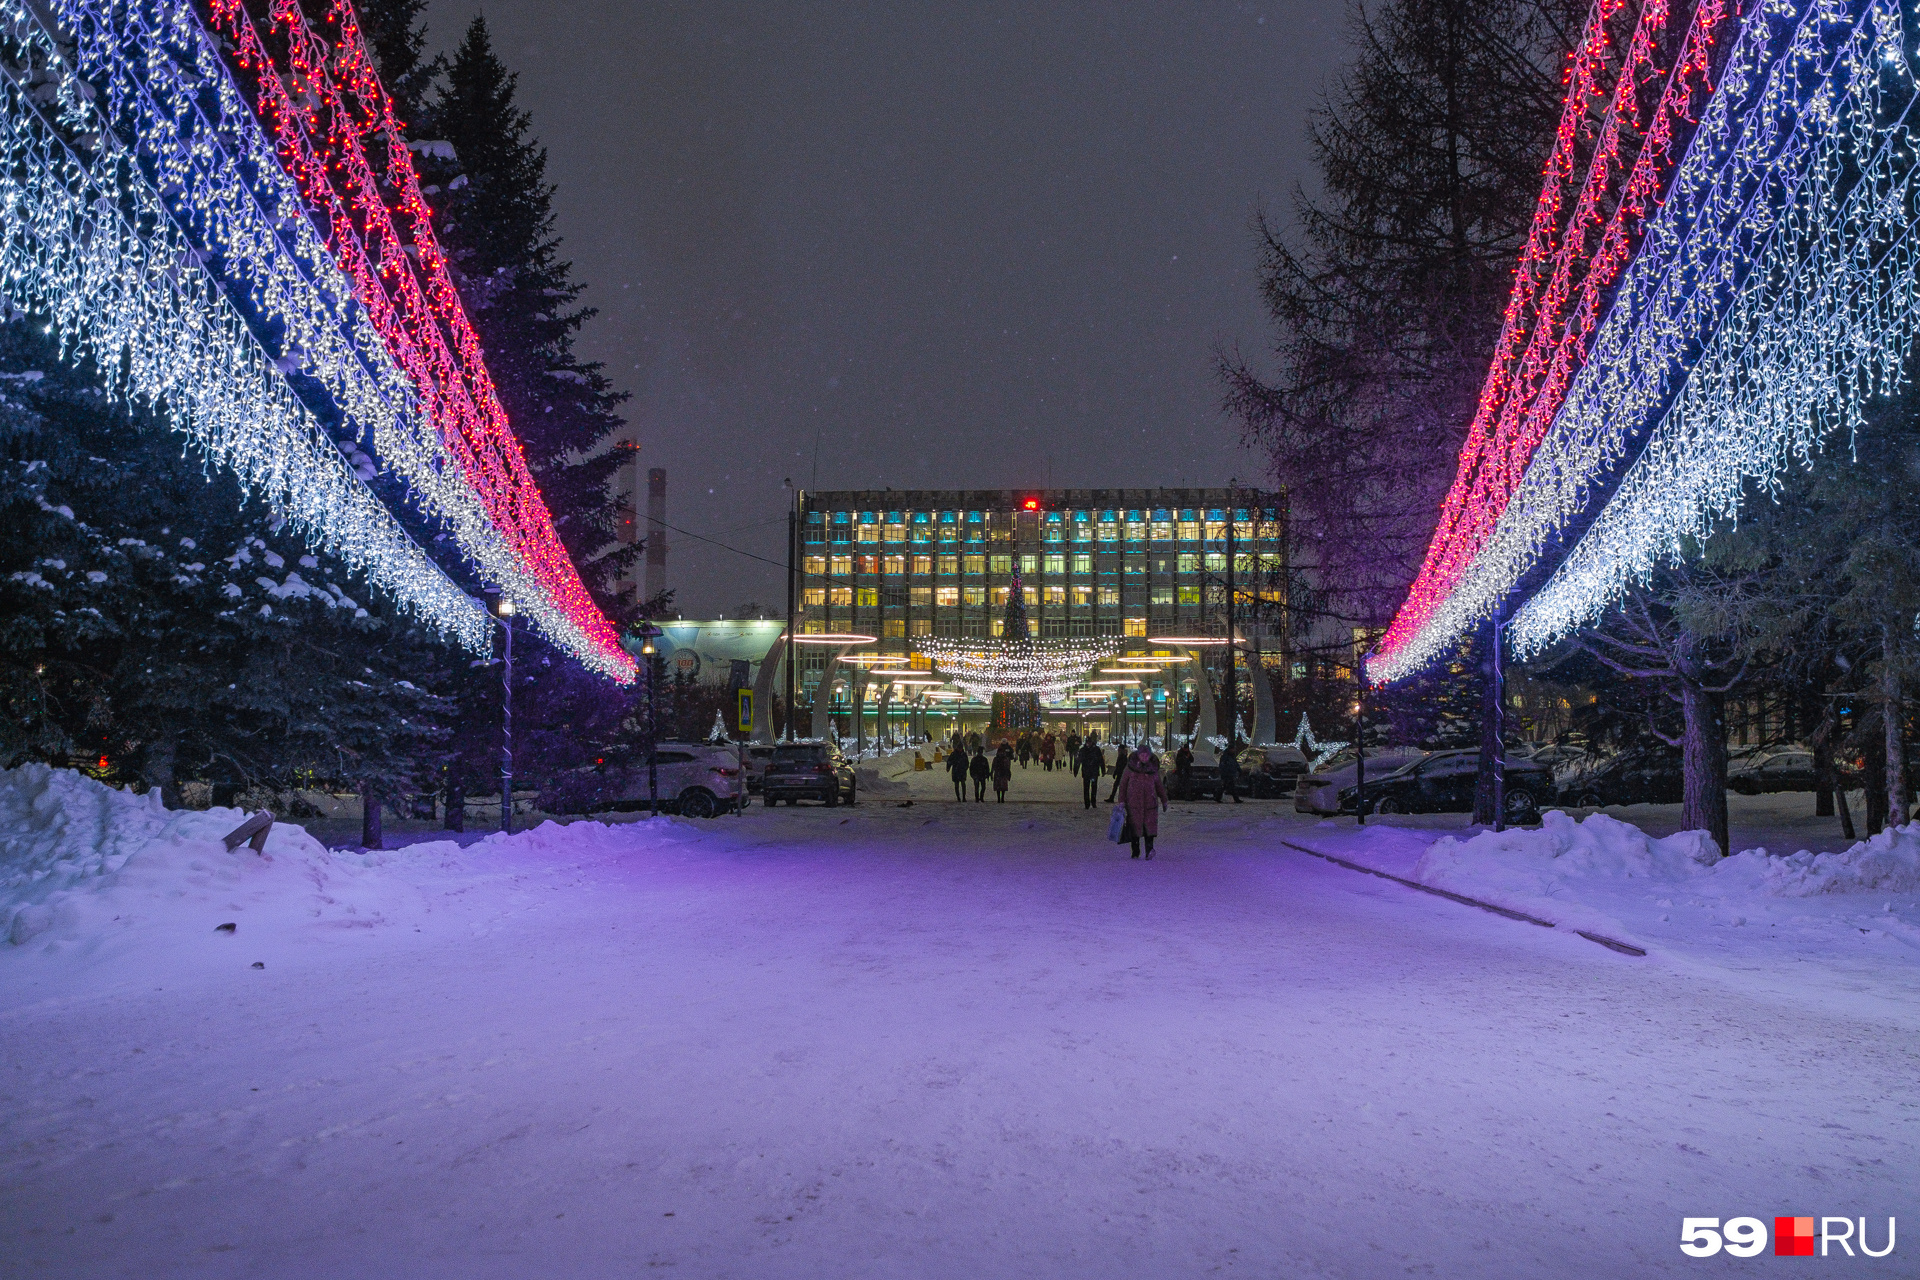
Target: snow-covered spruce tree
[
  {"x": 486, "y": 179},
  {"x": 151, "y": 615},
  {"x": 1386, "y": 288}
]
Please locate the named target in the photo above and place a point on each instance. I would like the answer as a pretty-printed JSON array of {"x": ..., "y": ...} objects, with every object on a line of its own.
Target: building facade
[{"x": 1125, "y": 563}]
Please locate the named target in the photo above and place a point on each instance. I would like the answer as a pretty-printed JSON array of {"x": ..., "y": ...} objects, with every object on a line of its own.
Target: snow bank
[
  {"x": 80, "y": 860},
  {"x": 1608, "y": 875}
]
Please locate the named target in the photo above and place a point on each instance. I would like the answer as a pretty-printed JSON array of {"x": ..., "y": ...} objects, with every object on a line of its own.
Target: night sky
[{"x": 914, "y": 245}]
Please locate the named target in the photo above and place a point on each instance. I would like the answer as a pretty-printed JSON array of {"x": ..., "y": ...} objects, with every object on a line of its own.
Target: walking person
[
  {"x": 1047, "y": 747},
  {"x": 1119, "y": 771},
  {"x": 1144, "y": 793},
  {"x": 1073, "y": 753},
  {"x": 1183, "y": 772},
  {"x": 977, "y": 769},
  {"x": 1002, "y": 773},
  {"x": 1230, "y": 771},
  {"x": 957, "y": 766},
  {"x": 1089, "y": 764},
  {"x": 1026, "y": 749}
]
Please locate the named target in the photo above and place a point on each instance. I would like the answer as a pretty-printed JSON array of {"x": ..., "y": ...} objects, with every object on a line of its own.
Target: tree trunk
[
  {"x": 156, "y": 767},
  {"x": 1893, "y": 726},
  {"x": 1873, "y": 780},
  {"x": 1822, "y": 745},
  {"x": 1483, "y": 812},
  {"x": 1703, "y": 762},
  {"x": 456, "y": 819},
  {"x": 371, "y": 836}
]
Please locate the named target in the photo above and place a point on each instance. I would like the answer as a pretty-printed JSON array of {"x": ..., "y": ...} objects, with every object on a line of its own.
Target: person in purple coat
[{"x": 1144, "y": 793}]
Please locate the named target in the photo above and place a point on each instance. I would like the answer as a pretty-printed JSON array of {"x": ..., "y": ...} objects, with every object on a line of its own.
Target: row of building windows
[
  {"x": 1074, "y": 594},
  {"x": 1052, "y": 564},
  {"x": 1080, "y": 625},
  {"x": 1053, "y": 526}
]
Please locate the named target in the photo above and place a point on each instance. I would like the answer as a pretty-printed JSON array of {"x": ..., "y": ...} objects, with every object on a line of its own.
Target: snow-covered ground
[{"x": 933, "y": 1039}]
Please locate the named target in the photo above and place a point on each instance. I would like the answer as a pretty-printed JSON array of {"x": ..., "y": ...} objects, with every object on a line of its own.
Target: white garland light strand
[
  {"x": 244, "y": 207},
  {"x": 1023, "y": 664},
  {"x": 1779, "y": 132},
  {"x": 88, "y": 241}
]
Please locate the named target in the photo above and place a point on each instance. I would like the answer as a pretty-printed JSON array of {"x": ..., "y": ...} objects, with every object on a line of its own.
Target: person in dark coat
[
  {"x": 1119, "y": 770},
  {"x": 1026, "y": 749},
  {"x": 1183, "y": 772},
  {"x": 1090, "y": 763},
  {"x": 977, "y": 769},
  {"x": 1073, "y": 753},
  {"x": 1144, "y": 793},
  {"x": 1002, "y": 773},
  {"x": 957, "y": 766},
  {"x": 1230, "y": 771}
]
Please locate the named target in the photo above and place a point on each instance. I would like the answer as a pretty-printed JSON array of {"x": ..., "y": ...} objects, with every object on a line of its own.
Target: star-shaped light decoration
[{"x": 1305, "y": 741}]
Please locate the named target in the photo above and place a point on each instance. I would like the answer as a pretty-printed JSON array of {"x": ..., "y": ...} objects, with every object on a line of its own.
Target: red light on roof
[{"x": 1033, "y": 504}]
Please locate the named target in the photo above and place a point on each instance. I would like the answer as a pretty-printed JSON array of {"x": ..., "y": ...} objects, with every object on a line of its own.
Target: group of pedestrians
[
  {"x": 1044, "y": 747},
  {"x": 1137, "y": 783},
  {"x": 969, "y": 761}
]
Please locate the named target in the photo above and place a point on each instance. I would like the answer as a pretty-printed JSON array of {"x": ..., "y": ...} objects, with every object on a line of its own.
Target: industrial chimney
[{"x": 656, "y": 532}]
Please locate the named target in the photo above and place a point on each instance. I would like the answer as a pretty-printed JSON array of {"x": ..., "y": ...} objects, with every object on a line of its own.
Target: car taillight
[
  {"x": 823, "y": 768},
  {"x": 725, "y": 773}
]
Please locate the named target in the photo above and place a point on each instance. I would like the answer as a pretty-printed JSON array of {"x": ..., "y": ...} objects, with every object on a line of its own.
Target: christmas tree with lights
[{"x": 1015, "y": 712}]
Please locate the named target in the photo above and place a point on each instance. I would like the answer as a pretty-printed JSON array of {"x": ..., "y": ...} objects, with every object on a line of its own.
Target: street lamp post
[
  {"x": 506, "y": 719},
  {"x": 651, "y": 653}
]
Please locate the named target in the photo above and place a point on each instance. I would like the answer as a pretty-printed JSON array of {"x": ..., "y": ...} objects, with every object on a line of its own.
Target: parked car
[
  {"x": 1444, "y": 782},
  {"x": 1266, "y": 772},
  {"x": 1321, "y": 791},
  {"x": 808, "y": 771},
  {"x": 1789, "y": 769},
  {"x": 1203, "y": 778},
  {"x": 757, "y": 757},
  {"x": 1639, "y": 776},
  {"x": 693, "y": 779}
]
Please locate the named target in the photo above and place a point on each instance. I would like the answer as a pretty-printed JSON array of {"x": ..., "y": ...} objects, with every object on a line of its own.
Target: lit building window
[
  {"x": 866, "y": 533},
  {"x": 976, "y": 564},
  {"x": 1082, "y": 527},
  {"x": 813, "y": 564},
  {"x": 1056, "y": 595},
  {"x": 1188, "y": 530},
  {"x": 1056, "y": 564},
  {"x": 946, "y": 595},
  {"x": 974, "y": 595},
  {"x": 1190, "y": 595},
  {"x": 840, "y": 595},
  {"x": 1216, "y": 530},
  {"x": 922, "y": 626},
  {"x": 1136, "y": 627},
  {"x": 1216, "y": 562},
  {"x": 1001, "y": 564},
  {"x": 1109, "y": 595},
  {"x": 867, "y": 597},
  {"x": 949, "y": 564},
  {"x": 894, "y": 564},
  {"x": 814, "y": 596},
  {"x": 894, "y": 627},
  {"x": 923, "y": 564},
  {"x": 842, "y": 566},
  {"x": 866, "y": 564},
  {"x": 1029, "y": 565},
  {"x": 920, "y": 597},
  {"x": 1031, "y": 595},
  {"x": 1136, "y": 531},
  {"x": 894, "y": 532},
  {"x": 1109, "y": 531},
  {"x": 1082, "y": 595},
  {"x": 1189, "y": 562},
  {"x": 815, "y": 626},
  {"x": 1163, "y": 595},
  {"x": 1082, "y": 562},
  {"x": 996, "y": 626},
  {"x": 1162, "y": 530}
]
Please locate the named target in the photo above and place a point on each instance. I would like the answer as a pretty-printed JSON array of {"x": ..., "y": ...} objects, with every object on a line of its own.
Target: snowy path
[{"x": 932, "y": 1041}]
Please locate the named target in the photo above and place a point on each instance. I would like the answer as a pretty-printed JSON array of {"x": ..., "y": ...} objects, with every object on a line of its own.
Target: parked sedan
[
  {"x": 808, "y": 771},
  {"x": 1767, "y": 771},
  {"x": 1203, "y": 779},
  {"x": 1640, "y": 776},
  {"x": 1266, "y": 772},
  {"x": 1329, "y": 790}
]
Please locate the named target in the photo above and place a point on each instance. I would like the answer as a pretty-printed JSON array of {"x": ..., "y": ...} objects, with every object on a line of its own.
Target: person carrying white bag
[{"x": 1143, "y": 796}]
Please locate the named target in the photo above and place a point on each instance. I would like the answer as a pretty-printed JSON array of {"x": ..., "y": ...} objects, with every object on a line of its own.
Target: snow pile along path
[
  {"x": 1856, "y": 914},
  {"x": 82, "y": 864}
]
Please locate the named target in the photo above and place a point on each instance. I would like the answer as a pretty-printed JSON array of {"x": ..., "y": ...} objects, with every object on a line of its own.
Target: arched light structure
[{"x": 1752, "y": 286}]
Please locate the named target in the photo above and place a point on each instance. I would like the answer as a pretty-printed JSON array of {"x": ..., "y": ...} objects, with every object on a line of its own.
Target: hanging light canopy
[{"x": 1015, "y": 664}]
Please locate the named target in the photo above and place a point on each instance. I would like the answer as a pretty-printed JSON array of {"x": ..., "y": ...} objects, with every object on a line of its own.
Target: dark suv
[
  {"x": 1444, "y": 783},
  {"x": 807, "y": 771},
  {"x": 1637, "y": 776}
]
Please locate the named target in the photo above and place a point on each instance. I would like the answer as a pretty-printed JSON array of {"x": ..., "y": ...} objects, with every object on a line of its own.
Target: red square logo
[{"x": 1793, "y": 1237}]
